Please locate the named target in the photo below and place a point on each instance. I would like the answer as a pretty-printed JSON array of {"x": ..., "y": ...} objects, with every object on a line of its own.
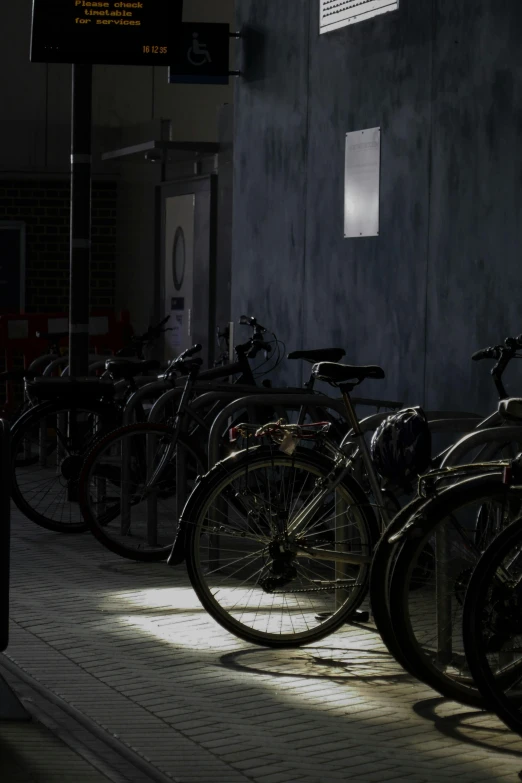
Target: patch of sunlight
[{"x": 182, "y": 598}]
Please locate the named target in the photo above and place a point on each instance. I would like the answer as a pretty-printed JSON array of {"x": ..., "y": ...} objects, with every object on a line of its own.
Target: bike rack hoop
[{"x": 269, "y": 400}]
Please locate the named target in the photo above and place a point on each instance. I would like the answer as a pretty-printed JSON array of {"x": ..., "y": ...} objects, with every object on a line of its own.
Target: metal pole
[{"x": 80, "y": 237}]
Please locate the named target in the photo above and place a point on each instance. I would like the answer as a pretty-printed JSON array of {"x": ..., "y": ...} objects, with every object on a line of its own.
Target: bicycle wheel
[
  {"x": 48, "y": 446},
  {"x": 431, "y": 574},
  {"x": 26, "y": 455},
  {"x": 492, "y": 626},
  {"x": 383, "y": 562},
  {"x": 262, "y": 576},
  {"x": 128, "y": 517}
]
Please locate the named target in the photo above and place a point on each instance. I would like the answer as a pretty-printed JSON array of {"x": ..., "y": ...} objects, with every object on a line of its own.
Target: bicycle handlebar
[
  {"x": 486, "y": 353},
  {"x": 189, "y": 352},
  {"x": 249, "y": 320},
  {"x": 503, "y": 355}
]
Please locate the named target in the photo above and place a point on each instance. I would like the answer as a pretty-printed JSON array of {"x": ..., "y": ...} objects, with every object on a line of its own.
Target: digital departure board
[{"x": 112, "y": 32}]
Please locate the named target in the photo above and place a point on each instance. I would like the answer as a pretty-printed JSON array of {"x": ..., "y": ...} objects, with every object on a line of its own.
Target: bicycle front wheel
[
  {"x": 432, "y": 571},
  {"x": 274, "y": 556},
  {"x": 128, "y": 512},
  {"x": 492, "y": 626},
  {"x": 48, "y": 446}
]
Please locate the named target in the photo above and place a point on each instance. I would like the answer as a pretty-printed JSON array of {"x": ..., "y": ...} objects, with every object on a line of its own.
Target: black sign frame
[{"x": 105, "y": 32}]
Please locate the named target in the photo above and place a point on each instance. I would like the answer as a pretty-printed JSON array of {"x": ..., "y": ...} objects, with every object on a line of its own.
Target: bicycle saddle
[
  {"x": 319, "y": 355},
  {"x": 120, "y": 368},
  {"x": 511, "y": 409},
  {"x": 344, "y": 373}
]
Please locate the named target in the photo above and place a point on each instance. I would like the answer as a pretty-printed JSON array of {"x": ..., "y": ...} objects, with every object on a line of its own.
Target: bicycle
[{"x": 278, "y": 545}]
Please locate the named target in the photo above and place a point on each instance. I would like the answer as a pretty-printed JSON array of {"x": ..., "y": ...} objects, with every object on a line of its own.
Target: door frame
[{"x": 204, "y": 188}]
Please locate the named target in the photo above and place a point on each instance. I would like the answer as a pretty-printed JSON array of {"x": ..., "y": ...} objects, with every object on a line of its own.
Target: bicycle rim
[
  {"x": 48, "y": 449},
  {"x": 129, "y": 517},
  {"x": 241, "y": 554},
  {"x": 430, "y": 578}
]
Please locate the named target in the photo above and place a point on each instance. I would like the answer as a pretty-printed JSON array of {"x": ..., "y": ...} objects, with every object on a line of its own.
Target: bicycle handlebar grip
[
  {"x": 191, "y": 351},
  {"x": 485, "y": 353}
]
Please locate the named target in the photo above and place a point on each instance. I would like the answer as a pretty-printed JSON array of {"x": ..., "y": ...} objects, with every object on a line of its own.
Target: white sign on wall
[
  {"x": 362, "y": 175},
  {"x": 339, "y": 13}
]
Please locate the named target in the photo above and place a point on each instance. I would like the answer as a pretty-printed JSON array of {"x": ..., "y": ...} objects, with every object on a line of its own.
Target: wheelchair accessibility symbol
[{"x": 198, "y": 53}]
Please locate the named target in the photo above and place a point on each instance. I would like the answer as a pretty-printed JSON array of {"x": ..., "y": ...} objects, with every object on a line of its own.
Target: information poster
[
  {"x": 362, "y": 173},
  {"x": 124, "y": 32}
]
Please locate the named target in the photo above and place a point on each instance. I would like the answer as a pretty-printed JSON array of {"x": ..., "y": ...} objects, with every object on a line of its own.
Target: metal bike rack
[
  {"x": 42, "y": 361},
  {"x": 98, "y": 364},
  {"x": 243, "y": 403},
  {"x": 63, "y": 361},
  {"x": 485, "y": 434},
  {"x": 210, "y": 393},
  {"x": 10, "y": 706},
  {"x": 226, "y": 392},
  {"x": 147, "y": 390},
  {"x": 458, "y": 421},
  {"x": 491, "y": 437},
  {"x": 285, "y": 398}
]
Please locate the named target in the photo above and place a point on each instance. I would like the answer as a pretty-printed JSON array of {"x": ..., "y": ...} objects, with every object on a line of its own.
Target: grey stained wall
[{"x": 442, "y": 80}]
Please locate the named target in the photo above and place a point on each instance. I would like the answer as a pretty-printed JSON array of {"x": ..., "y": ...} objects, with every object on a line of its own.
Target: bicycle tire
[
  {"x": 302, "y": 625},
  {"x": 380, "y": 575},
  {"x": 44, "y": 493},
  {"x": 451, "y": 678},
  {"x": 481, "y": 614},
  {"x": 102, "y": 519}
]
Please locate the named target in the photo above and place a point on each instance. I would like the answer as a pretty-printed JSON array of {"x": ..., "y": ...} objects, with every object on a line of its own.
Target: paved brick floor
[{"x": 129, "y": 646}]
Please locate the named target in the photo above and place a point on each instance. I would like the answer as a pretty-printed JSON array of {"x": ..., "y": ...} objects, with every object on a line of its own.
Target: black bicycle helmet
[{"x": 401, "y": 446}]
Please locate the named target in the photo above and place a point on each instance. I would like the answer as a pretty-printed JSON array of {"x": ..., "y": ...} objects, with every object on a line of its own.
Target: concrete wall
[{"x": 442, "y": 80}]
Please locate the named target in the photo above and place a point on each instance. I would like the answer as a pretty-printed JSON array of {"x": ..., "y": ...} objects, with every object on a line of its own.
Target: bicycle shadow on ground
[
  {"x": 464, "y": 726},
  {"x": 330, "y": 663}
]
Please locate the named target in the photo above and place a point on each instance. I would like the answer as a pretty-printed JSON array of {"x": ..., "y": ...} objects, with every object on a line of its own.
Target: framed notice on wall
[
  {"x": 362, "y": 173},
  {"x": 12, "y": 267},
  {"x": 117, "y": 32}
]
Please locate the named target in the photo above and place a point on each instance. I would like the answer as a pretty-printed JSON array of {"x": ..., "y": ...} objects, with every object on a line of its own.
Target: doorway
[{"x": 187, "y": 267}]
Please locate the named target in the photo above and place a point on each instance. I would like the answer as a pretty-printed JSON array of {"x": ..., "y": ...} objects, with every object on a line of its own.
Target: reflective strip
[
  {"x": 81, "y": 244},
  {"x": 79, "y": 329},
  {"x": 80, "y": 158}
]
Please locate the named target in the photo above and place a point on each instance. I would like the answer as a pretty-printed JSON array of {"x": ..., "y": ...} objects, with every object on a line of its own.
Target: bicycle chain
[
  {"x": 301, "y": 589},
  {"x": 312, "y": 589}
]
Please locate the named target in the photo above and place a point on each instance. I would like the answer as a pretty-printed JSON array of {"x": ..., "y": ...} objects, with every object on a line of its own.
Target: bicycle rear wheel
[
  {"x": 129, "y": 517},
  {"x": 259, "y": 577}
]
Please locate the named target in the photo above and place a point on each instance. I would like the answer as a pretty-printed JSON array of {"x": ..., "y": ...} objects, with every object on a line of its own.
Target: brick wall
[{"x": 44, "y": 207}]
